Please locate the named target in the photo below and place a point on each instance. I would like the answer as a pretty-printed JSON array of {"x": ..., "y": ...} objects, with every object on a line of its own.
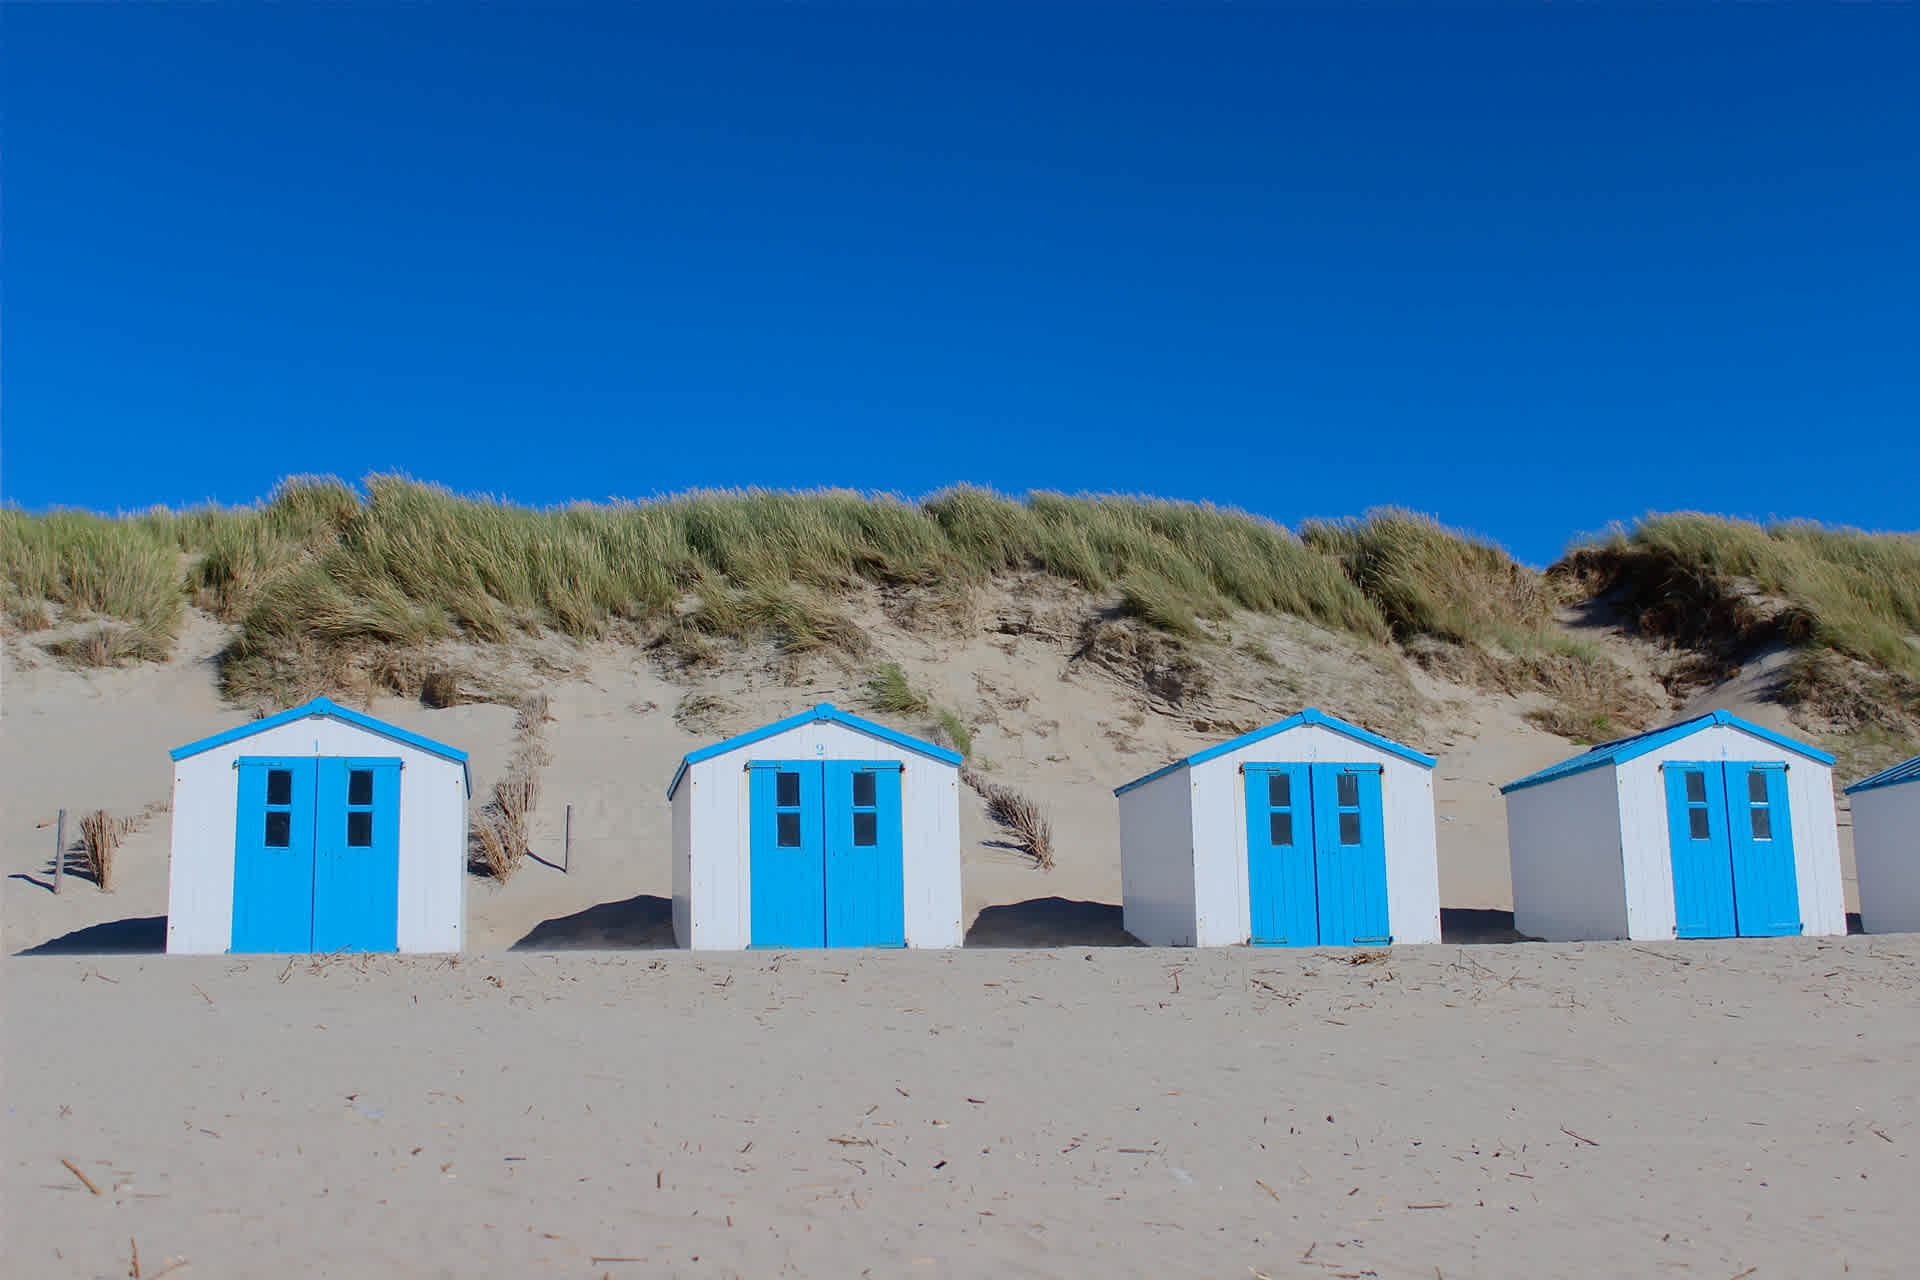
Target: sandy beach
[{"x": 1703, "y": 1110}]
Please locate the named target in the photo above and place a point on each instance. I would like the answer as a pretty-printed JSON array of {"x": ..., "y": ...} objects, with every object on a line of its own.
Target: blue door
[
  {"x": 827, "y": 865},
  {"x": 1731, "y": 838},
  {"x": 316, "y": 862},
  {"x": 866, "y": 896},
  {"x": 1283, "y": 899},
  {"x": 1350, "y": 855},
  {"x": 1316, "y": 855},
  {"x": 1766, "y": 890},
  {"x": 356, "y": 888},
  {"x": 273, "y": 856},
  {"x": 788, "y": 879}
]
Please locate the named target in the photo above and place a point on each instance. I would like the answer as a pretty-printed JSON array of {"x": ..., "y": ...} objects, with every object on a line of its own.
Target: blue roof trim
[
  {"x": 826, "y": 711},
  {"x": 1905, "y": 771},
  {"x": 329, "y": 709},
  {"x": 1311, "y": 715},
  {"x": 1621, "y": 750}
]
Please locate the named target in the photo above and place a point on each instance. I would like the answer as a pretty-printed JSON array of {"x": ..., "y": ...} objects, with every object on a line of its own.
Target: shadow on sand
[
  {"x": 140, "y": 935},
  {"x": 1050, "y": 922},
  {"x": 1477, "y": 927},
  {"x": 641, "y": 923}
]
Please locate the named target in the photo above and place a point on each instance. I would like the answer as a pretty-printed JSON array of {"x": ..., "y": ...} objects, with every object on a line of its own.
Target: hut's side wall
[
  {"x": 721, "y": 850},
  {"x": 1563, "y": 846},
  {"x": 1156, "y": 860},
  {"x": 1646, "y": 839},
  {"x": 433, "y": 827},
  {"x": 433, "y": 853},
  {"x": 1220, "y": 833},
  {"x": 1886, "y": 855},
  {"x": 1413, "y": 853}
]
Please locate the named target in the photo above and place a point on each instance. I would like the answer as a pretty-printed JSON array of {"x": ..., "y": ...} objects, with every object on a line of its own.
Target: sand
[
  {"x": 548, "y": 1106},
  {"x": 1716, "y": 1109}
]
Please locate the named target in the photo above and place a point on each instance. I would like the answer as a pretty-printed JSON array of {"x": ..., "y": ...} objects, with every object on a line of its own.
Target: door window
[
  {"x": 360, "y": 808},
  {"x": 866, "y": 811},
  {"x": 786, "y": 803},
  {"x": 1699, "y": 823},
  {"x": 1280, "y": 800},
  {"x": 1346, "y": 790},
  {"x": 279, "y": 820},
  {"x": 1759, "y": 810}
]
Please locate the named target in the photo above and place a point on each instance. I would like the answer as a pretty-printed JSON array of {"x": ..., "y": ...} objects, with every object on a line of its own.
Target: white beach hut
[
  {"x": 1308, "y": 832},
  {"x": 1886, "y": 848},
  {"x": 820, "y": 830},
  {"x": 1711, "y": 828},
  {"x": 318, "y": 829}
]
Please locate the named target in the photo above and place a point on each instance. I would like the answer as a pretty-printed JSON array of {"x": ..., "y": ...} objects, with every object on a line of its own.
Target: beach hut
[
  {"x": 1710, "y": 828},
  {"x": 820, "y": 830},
  {"x": 1309, "y": 832},
  {"x": 1886, "y": 848},
  {"x": 318, "y": 829}
]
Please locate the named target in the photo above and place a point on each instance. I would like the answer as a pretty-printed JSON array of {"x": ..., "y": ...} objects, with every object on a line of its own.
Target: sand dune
[{"x": 1045, "y": 720}]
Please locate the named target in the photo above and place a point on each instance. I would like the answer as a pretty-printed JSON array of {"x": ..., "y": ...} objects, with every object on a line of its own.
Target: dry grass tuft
[
  {"x": 110, "y": 644},
  {"x": 1018, "y": 814},
  {"x": 491, "y": 850},
  {"x": 501, "y": 832},
  {"x": 949, "y": 726},
  {"x": 889, "y": 691},
  {"x": 100, "y": 837}
]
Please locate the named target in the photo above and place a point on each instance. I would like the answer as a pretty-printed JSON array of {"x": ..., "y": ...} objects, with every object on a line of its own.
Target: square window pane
[
  {"x": 1280, "y": 830},
  {"x": 1696, "y": 788},
  {"x": 1349, "y": 828},
  {"x": 1698, "y": 828},
  {"x": 1762, "y": 822},
  {"x": 1757, "y": 787},
  {"x": 864, "y": 788},
  {"x": 1280, "y": 793},
  {"x": 866, "y": 829},
  {"x": 786, "y": 791},
  {"x": 359, "y": 829},
  {"x": 1347, "y": 789},
  {"x": 787, "y": 830},
  {"x": 279, "y": 786},
  {"x": 360, "y": 786},
  {"x": 279, "y": 829}
]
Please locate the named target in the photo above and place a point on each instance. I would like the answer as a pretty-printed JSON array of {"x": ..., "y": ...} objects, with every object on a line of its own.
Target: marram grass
[{"x": 322, "y": 566}]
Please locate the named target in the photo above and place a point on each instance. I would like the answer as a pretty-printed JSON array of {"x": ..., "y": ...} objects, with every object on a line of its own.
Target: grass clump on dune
[
  {"x": 92, "y": 568},
  {"x": 1846, "y": 601},
  {"x": 1430, "y": 580},
  {"x": 1842, "y": 589},
  {"x": 320, "y": 566}
]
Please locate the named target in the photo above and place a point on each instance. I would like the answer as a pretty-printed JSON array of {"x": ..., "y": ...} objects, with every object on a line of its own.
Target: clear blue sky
[{"x": 1531, "y": 268}]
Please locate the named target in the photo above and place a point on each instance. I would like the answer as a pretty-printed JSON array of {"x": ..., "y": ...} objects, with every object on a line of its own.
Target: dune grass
[
  {"x": 1845, "y": 590},
  {"x": 399, "y": 563},
  {"x": 1427, "y": 579},
  {"x": 92, "y": 567},
  {"x": 890, "y": 691},
  {"x": 321, "y": 571}
]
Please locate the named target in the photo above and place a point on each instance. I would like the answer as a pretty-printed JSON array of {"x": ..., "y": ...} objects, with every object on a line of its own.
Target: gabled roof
[
  {"x": 824, "y": 712},
  {"x": 327, "y": 708},
  {"x": 1310, "y": 715},
  {"x": 1621, "y": 750},
  {"x": 1905, "y": 771}
]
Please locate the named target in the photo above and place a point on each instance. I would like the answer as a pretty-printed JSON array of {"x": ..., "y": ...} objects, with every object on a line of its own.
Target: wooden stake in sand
[{"x": 59, "y": 849}]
